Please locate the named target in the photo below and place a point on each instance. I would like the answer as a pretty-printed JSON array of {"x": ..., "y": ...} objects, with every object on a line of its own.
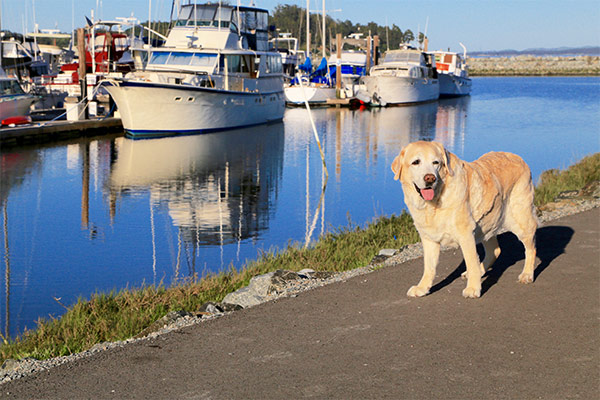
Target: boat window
[
  {"x": 403, "y": 56},
  {"x": 448, "y": 58},
  {"x": 233, "y": 63},
  {"x": 204, "y": 13},
  {"x": 184, "y": 13},
  {"x": 263, "y": 20},
  {"x": 180, "y": 58},
  {"x": 121, "y": 43},
  {"x": 224, "y": 14},
  {"x": 159, "y": 57},
  {"x": 274, "y": 64},
  {"x": 249, "y": 23},
  {"x": 10, "y": 87},
  {"x": 203, "y": 60}
]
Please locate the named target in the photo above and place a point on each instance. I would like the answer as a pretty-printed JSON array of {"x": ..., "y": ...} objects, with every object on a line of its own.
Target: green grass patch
[
  {"x": 123, "y": 314},
  {"x": 554, "y": 181}
]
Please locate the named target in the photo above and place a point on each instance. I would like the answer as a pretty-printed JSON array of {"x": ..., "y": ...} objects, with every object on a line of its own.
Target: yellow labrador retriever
[{"x": 454, "y": 202}]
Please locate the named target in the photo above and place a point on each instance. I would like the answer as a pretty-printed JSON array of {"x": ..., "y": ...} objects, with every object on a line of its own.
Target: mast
[
  {"x": 307, "y": 28},
  {"x": 324, "y": 41}
]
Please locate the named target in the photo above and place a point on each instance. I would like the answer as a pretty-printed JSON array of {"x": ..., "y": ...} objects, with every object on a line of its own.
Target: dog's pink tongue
[{"x": 427, "y": 194}]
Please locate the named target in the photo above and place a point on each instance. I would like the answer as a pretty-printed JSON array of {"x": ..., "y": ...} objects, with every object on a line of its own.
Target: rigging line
[
  {"x": 312, "y": 123},
  {"x": 153, "y": 241},
  {"x": 7, "y": 268}
]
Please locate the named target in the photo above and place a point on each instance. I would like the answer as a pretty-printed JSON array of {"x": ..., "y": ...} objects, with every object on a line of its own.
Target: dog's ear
[
  {"x": 448, "y": 166},
  {"x": 397, "y": 165},
  {"x": 446, "y": 156}
]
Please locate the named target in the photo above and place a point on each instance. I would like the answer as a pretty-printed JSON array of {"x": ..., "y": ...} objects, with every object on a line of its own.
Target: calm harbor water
[{"x": 110, "y": 213}]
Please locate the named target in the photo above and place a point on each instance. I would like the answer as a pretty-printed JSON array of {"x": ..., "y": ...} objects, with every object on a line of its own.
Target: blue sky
[{"x": 479, "y": 24}]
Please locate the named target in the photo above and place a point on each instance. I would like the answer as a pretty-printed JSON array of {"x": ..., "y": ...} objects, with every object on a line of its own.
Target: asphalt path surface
[{"x": 364, "y": 339}]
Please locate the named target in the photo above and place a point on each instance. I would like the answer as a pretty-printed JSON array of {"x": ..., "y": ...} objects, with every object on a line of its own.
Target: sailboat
[{"x": 313, "y": 87}]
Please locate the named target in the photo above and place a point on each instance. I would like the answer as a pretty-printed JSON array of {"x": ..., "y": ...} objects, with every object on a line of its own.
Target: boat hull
[
  {"x": 454, "y": 86},
  {"x": 16, "y": 105},
  {"x": 401, "y": 90},
  {"x": 295, "y": 95},
  {"x": 154, "y": 110}
]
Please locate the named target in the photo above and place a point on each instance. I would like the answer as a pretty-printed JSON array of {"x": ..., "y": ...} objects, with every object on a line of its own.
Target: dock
[{"x": 57, "y": 130}]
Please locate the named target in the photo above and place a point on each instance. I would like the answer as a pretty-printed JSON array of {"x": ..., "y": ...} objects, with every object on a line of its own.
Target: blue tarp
[
  {"x": 321, "y": 69},
  {"x": 307, "y": 66}
]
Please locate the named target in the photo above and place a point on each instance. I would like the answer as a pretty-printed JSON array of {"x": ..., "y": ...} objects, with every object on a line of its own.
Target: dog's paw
[
  {"x": 417, "y": 291},
  {"x": 525, "y": 277},
  {"x": 471, "y": 293}
]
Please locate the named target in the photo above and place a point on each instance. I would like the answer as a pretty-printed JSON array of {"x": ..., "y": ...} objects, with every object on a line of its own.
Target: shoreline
[
  {"x": 16, "y": 369},
  {"x": 528, "y": 65}
]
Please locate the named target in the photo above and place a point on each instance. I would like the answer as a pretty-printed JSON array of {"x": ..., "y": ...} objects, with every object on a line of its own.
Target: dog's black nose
[{"x": 429, "y": 178}]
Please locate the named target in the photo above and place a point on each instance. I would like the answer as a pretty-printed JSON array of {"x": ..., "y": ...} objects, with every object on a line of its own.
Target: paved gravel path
[{"x": 362, "y": 338}]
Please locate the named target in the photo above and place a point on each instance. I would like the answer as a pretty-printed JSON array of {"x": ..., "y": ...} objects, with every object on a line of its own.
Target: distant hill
[{"x": 560, "y": 51}]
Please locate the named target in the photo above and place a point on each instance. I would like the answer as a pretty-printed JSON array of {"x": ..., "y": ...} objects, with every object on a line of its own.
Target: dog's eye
[
  {"x": 436, "y": 162},
  {"x": 416, "y": 162}
]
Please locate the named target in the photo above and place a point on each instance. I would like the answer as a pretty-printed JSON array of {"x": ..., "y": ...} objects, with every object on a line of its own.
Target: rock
[
  {"x": 306, "y": 272},
  {"x": 280, "y": 279},
  {"x": 378, "y": 259},
  {"x": 388, "y": 252},
  {"x": 253, "y": 294},
  {"x": 100, "y": 346},
  {"x": 168, "y": 319},
  {"x": 10, "y": 365},
  {"x": 567, "y": 194},
  {"x": 323, "y": 274},
  {"x": 592, "y": 189},
  {"x": 244, "y": 297},
  {"x": 210, "y": 308},
  {"x": 229, "y": 307}
]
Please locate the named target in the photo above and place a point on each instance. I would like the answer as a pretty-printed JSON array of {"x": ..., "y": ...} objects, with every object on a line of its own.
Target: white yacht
[
  {"x": 14, "y": 102},
  {"x": 453, "y": 73},
  {"x": 287, "y": 46},
  {"x": 214, "y": 72},
  {"x": 405, "y": 76}
]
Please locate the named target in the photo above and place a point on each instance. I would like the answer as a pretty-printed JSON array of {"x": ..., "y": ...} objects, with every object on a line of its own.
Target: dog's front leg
[
  {"x": 431, "y": 255},
  {"x": 469, "y": 250}
]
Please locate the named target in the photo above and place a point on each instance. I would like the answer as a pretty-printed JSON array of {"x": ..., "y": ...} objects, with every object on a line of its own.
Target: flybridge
[{"x": 220, "y": 26}]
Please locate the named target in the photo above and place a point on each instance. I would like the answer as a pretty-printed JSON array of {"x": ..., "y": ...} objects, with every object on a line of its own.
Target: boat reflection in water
[
  {"x": 218, "y": 188},
  {"x": 451, "y": 122}
]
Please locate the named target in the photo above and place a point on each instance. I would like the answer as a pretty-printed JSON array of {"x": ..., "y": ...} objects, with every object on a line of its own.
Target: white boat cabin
[
  {"x": 210, "y": 26},
  {"x": 406, "y": 63},
  {"x": 205, "y": 48}
]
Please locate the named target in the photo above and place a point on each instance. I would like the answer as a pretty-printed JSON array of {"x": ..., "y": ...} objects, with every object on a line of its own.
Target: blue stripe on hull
[{"x": 147, "y": 134}]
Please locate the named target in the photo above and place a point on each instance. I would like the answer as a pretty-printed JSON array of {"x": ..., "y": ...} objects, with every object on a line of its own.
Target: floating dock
[{"x": 57, "y": 130}]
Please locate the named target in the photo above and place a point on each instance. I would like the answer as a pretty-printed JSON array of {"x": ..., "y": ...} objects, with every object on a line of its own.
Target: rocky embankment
[{"x": 533, "y": 66}]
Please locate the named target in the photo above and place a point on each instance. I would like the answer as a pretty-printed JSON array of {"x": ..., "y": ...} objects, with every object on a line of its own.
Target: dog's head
[{"x": 424, "y": 166}]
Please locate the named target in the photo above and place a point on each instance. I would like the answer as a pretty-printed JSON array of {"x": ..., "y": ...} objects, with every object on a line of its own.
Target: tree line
[{"x": 292, "y": 19}]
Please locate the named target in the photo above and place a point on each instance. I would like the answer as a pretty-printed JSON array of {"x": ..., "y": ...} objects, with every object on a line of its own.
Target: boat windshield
[
  {"x": 205, "y": 15},
  {"x": 183, "y": 59},
  {"x": 402, "y": 56},
  {"x": 10, "y": 86}
]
